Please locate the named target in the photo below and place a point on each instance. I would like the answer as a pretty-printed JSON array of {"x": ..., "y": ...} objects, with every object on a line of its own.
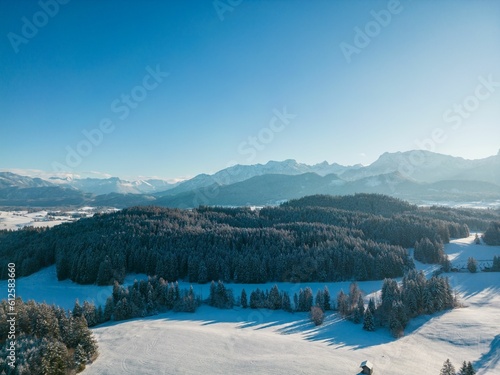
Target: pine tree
[
  {"x": 211, "y": 300},
  {"x": 308, "y": 299},
  {"x": 244, "y": 299},
  {"x": 90, "y": 313},
  {"x": 371, "y": 306},
  {"x": 342, "y": 304},
  {"x": 326, "y": 299},
  {"x": 274, "y": 299},
  {"x": 470, "y": 369},
  {"x": 108, "y": 309},
  {"x": 77, "y": 310},
  {"x": 472, "y": 265},
  {"x": 463, "y": 369},
  {"x": 54, "y": 359},
  {"x": 286, "y": 304},
  {"x": 80, "y": 358},
  {"x": 368, "y": 321},
  {"x": 447, "y": 368}
]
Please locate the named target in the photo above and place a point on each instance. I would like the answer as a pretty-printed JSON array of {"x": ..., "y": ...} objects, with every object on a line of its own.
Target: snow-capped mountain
[
  {"x": 8, "y": 179},
  {"x": 239, "y": 173},
  {"x": 100, "y": 186},
  {"x": 414, "y": 175},
  {"x": 428, "y": 167}
]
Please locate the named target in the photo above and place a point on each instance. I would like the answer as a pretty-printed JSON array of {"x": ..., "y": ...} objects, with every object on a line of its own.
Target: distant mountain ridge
[{"x": 414, "y": 175}]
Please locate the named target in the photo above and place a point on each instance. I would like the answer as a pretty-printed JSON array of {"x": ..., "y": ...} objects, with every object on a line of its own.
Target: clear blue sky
[{"x": 230, "y": 69}]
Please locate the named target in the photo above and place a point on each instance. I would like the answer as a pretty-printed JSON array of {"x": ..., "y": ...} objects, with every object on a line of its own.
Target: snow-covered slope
[{"x": 244, "y": 341}]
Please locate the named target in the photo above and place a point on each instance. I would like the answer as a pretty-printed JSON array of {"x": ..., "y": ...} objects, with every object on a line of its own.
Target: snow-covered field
[
  {"x": 43, "y": 286},
  {"x": 14, "y": 220},
  {"x": 244, "y": 341}
]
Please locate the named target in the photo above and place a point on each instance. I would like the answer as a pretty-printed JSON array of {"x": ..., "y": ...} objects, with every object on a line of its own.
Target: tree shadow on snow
[{"x": 335, "y": 331}]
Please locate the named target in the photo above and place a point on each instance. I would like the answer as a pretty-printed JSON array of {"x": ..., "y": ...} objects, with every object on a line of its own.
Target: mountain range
[{"x": 417, "y": 176}]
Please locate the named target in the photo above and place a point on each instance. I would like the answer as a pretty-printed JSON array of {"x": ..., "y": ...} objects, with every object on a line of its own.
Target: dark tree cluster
[
  {"x": 415, "y": 296},
  {"x": 399, "y": 303},
  {"x": 429, "y": 252},
  {"x": 273, "y": 299},
  {"x": 376, "y": 204},
  {"x": 149, "y": 297},
  {"x": 492, "y": 234},
  {"x": 49, "y": 340},
  {"x": 351, "y": 305},
  {"x": 476, "y": 219},
  {"x": 301, "y": 241},
  {"x": 220, "y": 296}
]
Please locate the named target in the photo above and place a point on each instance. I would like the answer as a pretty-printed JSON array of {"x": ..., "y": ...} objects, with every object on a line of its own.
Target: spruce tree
[
  {"x": 463, "y": 369},
  {"x": 54, "y": 359},
  {"x": 108, "y": 309},
  {"x": 368, "y": 321},
  {"x": 244, "y": 299},
  {"x": 286, "y": 304},
  {"x": 472, "y": 265},
  {"x": 342, "y": 304},
  {"x": 326, "y": 299},
  {"x": 80, "y": 358},
  {"x": 470, "y": 369},
  {"x": 371, "y": 305},
  {"x": 274, "y": 299},
  {"x": 77, "y": 309},
  {"x": 447, "y": 368}
]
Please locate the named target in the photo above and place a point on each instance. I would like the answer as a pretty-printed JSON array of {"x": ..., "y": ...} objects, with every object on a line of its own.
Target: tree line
[{"x": 301, "y": 241}]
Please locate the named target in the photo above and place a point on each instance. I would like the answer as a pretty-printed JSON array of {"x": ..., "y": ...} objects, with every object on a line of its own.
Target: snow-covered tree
[
  {"x": 317, "y": 315},
  {"x": 472, "y": 265},
  {"x": 447, "y": 368},
  {"x": 368, "y": 321}
]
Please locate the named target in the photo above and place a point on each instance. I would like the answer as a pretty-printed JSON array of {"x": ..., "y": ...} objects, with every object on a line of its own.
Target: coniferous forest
[
  {"x": 320, "y": 238},
  {"x": 49, "y": 340},
  {"x": 317, "y": 238}
]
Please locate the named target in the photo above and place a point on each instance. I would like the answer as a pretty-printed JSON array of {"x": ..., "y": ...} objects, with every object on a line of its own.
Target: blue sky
[{"x": 247, "y": 83}]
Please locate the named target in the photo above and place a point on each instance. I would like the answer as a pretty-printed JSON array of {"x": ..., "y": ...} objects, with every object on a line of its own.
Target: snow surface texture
[
  {"x": 14, "y": 220},
  {"x": 245, "y": 341}
]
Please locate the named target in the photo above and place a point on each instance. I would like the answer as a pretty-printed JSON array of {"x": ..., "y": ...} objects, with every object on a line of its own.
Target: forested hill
[
  {"x": 376, "y": 204},
  {"x": 293, "y": 242}
]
